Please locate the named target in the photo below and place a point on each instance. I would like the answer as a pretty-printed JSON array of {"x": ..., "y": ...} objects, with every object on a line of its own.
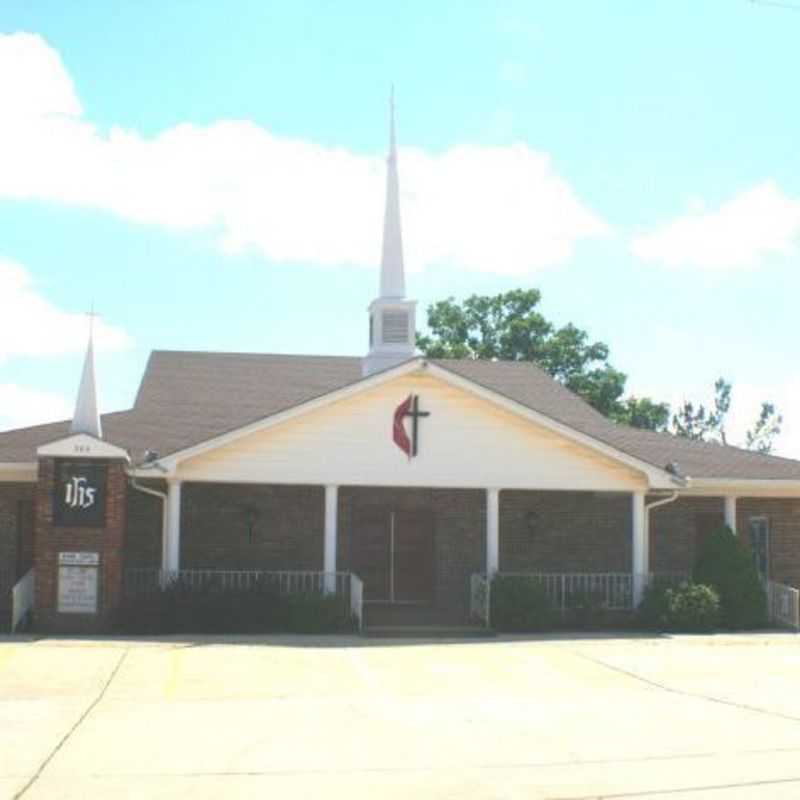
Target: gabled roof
[{"x": 186, "y": 398}]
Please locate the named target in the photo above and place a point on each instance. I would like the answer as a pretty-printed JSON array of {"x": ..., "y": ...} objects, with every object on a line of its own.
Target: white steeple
[
  {"x": 86, "y": 419},
  {"x": 392, "y": 328},
  {"x": 393, "y": 282}
]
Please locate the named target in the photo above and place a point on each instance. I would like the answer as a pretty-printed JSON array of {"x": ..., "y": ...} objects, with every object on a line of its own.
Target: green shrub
[
  {"x": 519, "y": 604},
  {"x": 211, "y": 608},
  {"x": 585, "y": 610},
  {"x": 690, "y": 607},
  {"x": 693, "y": 607},
  {"x": 653, "y": 612},
  {"x": 725, "y": 563}
]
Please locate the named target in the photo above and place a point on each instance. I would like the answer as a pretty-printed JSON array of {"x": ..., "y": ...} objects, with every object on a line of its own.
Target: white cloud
[
  {"x": 32, "y": 326},
  {"x": 481, "y": 208},
  {"x": 20, "y": 406},
  {"x": 755, "y": 223}
]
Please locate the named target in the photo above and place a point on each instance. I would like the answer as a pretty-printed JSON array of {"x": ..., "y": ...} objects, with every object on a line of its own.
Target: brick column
[{"x": 51, "y": 539}]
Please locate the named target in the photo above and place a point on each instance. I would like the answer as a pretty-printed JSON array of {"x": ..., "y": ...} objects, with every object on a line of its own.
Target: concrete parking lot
[{"x": 287, "y": 717}]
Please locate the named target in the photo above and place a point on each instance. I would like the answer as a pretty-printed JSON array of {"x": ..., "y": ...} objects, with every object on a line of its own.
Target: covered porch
[{"x": 416, "y": 551}]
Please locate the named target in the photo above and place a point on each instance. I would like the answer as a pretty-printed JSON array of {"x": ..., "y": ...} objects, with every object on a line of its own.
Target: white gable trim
[
  {"x": 657, "y": 478},
  {"x": 81, "y": 445}
]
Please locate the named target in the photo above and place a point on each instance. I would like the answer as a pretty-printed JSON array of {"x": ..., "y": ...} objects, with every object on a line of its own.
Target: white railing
[
  {"x": 479, "y": 598},
  {"x": 357, "y": 600},
  {"x": 613, "y": 590},
  {"x": 282, "y": 581},
  {"x": 783, "y": 603},
  {"x": 22, "y": 599}
]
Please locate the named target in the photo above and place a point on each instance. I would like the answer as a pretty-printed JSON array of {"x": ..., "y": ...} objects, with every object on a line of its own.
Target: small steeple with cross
[{"x": 86, "y": 418}]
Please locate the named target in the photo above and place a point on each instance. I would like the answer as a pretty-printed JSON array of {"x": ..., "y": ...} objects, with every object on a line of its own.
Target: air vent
[{"x": 395, "y": 327}]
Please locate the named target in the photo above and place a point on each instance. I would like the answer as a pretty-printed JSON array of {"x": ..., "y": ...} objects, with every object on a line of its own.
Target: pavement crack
[
  {"x": 685, "y": 693},
  {"x": 68, "y": 735}
]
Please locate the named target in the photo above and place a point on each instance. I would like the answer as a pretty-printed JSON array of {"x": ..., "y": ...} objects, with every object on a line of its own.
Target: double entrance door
[{"x": 392, "y": 552}]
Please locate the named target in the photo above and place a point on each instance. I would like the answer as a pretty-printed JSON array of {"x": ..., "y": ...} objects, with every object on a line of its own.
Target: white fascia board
[
  {"x": 745, "y": 487},
  {"x": 18, "y": 472},
  {"x": 81, "y": 445},
  {"x": 169, "y": 463},
  {"x": 657, "y": 478}
]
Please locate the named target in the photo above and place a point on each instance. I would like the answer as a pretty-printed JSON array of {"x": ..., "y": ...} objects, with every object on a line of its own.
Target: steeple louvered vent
[{"x": 395, "y": 327}]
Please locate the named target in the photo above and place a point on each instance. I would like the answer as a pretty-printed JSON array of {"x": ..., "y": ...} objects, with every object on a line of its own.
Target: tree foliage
[{"x": 510, "y": 327}]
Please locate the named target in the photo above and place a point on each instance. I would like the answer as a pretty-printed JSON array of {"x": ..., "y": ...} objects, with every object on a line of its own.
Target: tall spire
[
  {"x": 86, "y": 419},
  {"x": 392, "y": 327},
  {"x": 393, "y": 284}
]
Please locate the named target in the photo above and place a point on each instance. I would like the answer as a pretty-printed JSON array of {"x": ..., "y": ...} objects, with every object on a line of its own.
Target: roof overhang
[
  {"x": 745, "y": 487},
  {"x": 656, "y": 478},
  {"x": 18, "y": 472},
  {"x": 81, "y": 445}
]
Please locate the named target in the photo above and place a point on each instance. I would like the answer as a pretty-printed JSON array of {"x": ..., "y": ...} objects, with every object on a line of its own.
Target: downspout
[
  {"x": 655, "y": 504},
  {"x": 163, "y": 497}
]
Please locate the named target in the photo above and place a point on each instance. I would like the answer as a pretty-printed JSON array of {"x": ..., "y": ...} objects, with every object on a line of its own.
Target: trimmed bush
[
  {"x": 520, "y": 604},
  {"x": 693, "y": 607},
  {"x": 690, "y": 607},
  {"x": 210, "y": 608},
  {"x": 725, "y": 563}
]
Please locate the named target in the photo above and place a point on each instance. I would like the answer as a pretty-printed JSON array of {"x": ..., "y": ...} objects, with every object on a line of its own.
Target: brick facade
[
  {"x": 276, "y": 527},
  {"x": 241, "y": 526},
  {"x": 783, "y": 515},
  {"x": 675, "y": 528},
  {"x": 16, "y": 540},
  {"x": 143, "y": 526},
  {"x": 50, "y": 540},
  {"x": 565, "y": 531}
]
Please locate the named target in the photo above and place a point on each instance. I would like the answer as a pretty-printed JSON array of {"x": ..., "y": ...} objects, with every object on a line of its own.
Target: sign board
[
  {"x": 79, "y": 559},
  {"x": 77, "y": 583},
  {"x": 80, "y": 494}
]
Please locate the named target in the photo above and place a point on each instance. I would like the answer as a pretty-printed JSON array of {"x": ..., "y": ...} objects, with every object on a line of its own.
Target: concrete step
[{"x": 428, "y": 632}]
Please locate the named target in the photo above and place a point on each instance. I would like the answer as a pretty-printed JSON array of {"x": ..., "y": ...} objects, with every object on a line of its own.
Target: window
[{"x": 759, "y": 541}]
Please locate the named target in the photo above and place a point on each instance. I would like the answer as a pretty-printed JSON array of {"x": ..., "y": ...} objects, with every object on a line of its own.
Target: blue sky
[{"x": 211, "y": 176}]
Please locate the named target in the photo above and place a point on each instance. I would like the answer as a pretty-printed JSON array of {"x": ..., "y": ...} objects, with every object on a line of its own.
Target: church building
[{"x": 404, "y": 481}]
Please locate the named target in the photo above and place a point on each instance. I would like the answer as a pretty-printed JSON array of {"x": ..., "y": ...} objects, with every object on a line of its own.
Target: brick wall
[
  {"x": 16, "y": 526},
  {"x": 288, "y": 525},
  {"x": 784, "y": 526},
  {"x": 143, "y": 531},
  {"x": 565, "y": 531},
  {"x": 50, "y": 540},
  {"x": 459, "y": 535},
  {"x": 674, "y": 531}
]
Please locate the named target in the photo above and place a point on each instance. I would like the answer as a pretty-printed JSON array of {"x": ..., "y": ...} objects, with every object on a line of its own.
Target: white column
[
  {"x": 331, "y": 517},
  {"x": 492, "y": 531},
  {"x": 172, "y": 543},
  {"x": 730, "y": 512},
  {"x": 640, "y": 554}
]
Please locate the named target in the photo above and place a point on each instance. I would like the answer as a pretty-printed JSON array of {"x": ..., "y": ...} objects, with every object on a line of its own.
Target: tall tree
[
  {"x": 510, "y": 327},
  {"x": 709, "y": 424}
]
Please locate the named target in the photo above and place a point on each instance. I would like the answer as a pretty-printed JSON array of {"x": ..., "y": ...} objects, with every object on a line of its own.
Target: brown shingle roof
[{"x": 186, "y": 398}]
